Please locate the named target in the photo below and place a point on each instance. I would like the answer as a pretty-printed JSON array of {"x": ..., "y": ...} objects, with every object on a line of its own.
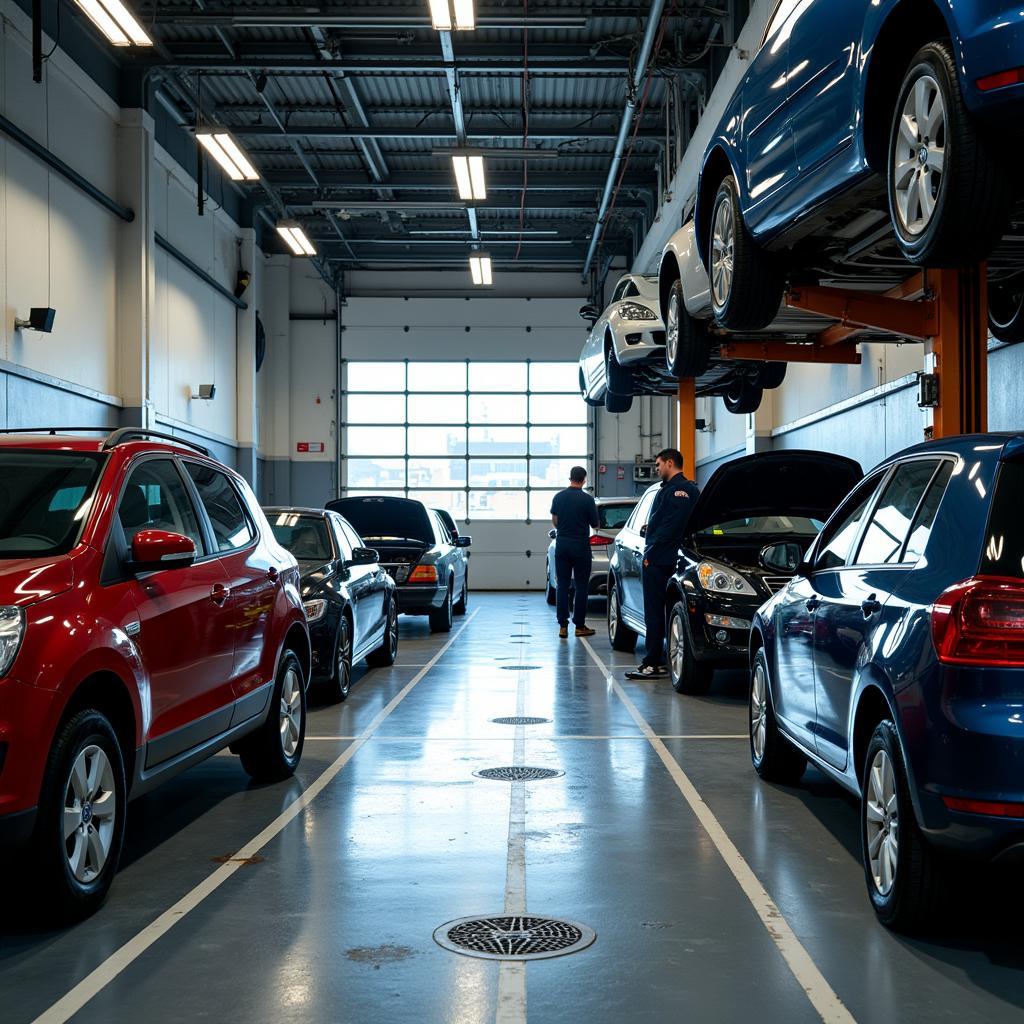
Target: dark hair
[
  {"x": 577, "y": 474},
  {"x": 673, "y": 455}
]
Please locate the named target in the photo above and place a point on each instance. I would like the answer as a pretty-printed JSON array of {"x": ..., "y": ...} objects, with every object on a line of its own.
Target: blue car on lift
[
  {"x": 855, "y": 121},
  {"x": 894, "y": 662}
]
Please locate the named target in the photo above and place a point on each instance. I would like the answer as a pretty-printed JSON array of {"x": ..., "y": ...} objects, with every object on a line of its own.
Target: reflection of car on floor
[
  {"x": 612, "y": 514},
  {"x": 749, "y": 529},
  {"x": 894, "y": 662},
  {"x": 349, "y": 600},
  {"x": 416, "y": 549}
]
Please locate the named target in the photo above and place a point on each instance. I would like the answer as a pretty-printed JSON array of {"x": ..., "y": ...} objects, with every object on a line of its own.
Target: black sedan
[
  {"x": 416, "y": 549},
  {"x": 749, "y": 529},
  {"x": 349, "y": 599}
]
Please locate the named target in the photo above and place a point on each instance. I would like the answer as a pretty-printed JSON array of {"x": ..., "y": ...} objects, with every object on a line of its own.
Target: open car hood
[{"x": 783, "y": 483}]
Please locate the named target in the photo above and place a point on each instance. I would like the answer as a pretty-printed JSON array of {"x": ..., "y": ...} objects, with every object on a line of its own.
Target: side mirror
[
  {"x": 462, "y": 541},
  {"x": 552, "y": 534},
  {"x": 785, "y": 557},
  {"x": 153, "y": 550},
  {"x": 364, "y": 556},
  {"x": 590, "y": 312}
]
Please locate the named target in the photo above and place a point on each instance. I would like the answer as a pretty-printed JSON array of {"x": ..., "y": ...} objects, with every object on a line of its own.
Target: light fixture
[
  {"x": 295, "y": 238},
  {"x": 40, "y": 318},
  {"x": 205, "y": 392},
  {"x": 480, "y": 268},
  {"x": 116, "y": 22},
  {"x": 469, "y": 175},
  {"x": 223, "y": 148},
  {"x": 446, "y": 13}
]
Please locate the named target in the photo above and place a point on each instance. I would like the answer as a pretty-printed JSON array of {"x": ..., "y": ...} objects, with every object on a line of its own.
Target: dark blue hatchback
[{"x": 894, "y": 662}]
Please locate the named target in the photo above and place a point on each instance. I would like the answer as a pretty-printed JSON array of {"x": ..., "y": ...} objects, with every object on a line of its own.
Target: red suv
[{"x": 148, "y": 619}]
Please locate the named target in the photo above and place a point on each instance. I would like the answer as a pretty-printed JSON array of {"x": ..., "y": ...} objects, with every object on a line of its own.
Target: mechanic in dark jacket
[{"x": 666, "y": 528}]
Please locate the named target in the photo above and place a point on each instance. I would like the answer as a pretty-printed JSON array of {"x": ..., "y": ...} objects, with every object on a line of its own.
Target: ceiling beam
[
  {"x": 476, "y": 133},
  {"x": 434, "y": 181}
]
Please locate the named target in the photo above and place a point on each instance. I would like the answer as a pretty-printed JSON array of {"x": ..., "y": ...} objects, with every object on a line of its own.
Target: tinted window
[
  {"x": 890, "y": 522},
  {"x": 377, "y": 519},
  {"x": 643, "y": 510},
  {"x": 1004, "y": 542},
  {"x": 613, "y": 517},
  {"x": 352, "y": 538},
  {"x": 231, "y": 528},
  {"x": 922, "y": 527},
  {"x": 44, "y": 498},
  {"x": 306, "y": 537},
  {"x": 155, "y": 498},
  {"x": 837, "y": 543}
]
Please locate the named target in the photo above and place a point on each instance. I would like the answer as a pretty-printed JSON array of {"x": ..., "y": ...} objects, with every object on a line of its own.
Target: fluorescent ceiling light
[
  {"x": 480, "y": 268},
  {"x": 464, "y": 17},
  {"x": 223, "y": 148},
  {"x": 440, "y": 15},
  {"x": 116, "y": 22},
  {"x": 295, "y": 238},
  {"x": 445, "y": 13},
  {"x": 469, "y": 175}
]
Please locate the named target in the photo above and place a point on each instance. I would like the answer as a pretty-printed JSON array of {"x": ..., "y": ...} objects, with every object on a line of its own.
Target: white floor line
[
  {"x": 824, "y": 1000},
  {"x": 94, "y": 982}
]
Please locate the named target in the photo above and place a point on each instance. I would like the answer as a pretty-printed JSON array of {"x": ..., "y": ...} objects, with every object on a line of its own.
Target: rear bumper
[{"x": 420, "y": 599}]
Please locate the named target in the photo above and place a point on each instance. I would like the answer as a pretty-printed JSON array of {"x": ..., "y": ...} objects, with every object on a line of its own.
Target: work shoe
[
  {"x": 585, "y": 631},
  {"x": 647, "y": 672},
  {"x": 563, "y": 631}
]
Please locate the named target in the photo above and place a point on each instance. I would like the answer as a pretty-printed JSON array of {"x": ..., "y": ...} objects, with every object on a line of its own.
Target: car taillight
[
  {"x": 1000, "y": 808},
  {"x": 980, "y": 622},
  {"x": 1001, "y": 79},
  {"x": 597, "y": 541},
  {"x": 423, "y": 574}
]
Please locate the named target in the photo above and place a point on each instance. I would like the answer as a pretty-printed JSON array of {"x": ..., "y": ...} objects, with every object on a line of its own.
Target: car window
[
  {"x": 642, "y": 511},
  {"x": 353, "y": 538},
  {"x": 613, "y": 517},
  {"x": 231, "y": 526},
  {"x": 889, "y": 524},
  {"x": 342, "y": 539},
  {"x": 1004, "y": 542},
  {"x": 921, "y": 529},
  {"x": 838, "y": 539},
  {"x": 155, "y": 498},
  {"x": 440, "y": 530},
  {"x": 306, "y": 537}
]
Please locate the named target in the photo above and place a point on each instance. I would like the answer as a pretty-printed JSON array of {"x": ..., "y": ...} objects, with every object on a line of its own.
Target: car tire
[
  {"x": 1006, "y": 310},
  {"x": 688, "y": 675},
  {"x": 550, "y": 593},
  {"x": 84, "y": 771},
  {"x": 620, "y": 636},
  {"x": 618, "y": 378},
  {"x": 774, "y": 758},
  {"x": 909, "y": 898},
  {"x": 340, "y": 683},
  {"x": 771, "y": 375},
  {"x": 746, "y": 288},
  {"x": 617, "y": 403},
  {"x": 385, "y": 655},
  {"x": 687, "y": 344},
  {"x": 742, "y": 397},
  {"x": 968, "y": 185},
  {"x": 273, "y": 751},
  {"x": 460, "y": 606},
  {"x": 441, "y": 618}
]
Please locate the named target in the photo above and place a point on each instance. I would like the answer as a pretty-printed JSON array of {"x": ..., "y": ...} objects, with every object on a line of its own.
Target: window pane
[
  {"x": 497, "y": 472},
  {"x": 155, "y": 498},
  {"x": 540, "y": 504},
  {"x": 437, "y": 472},
  {"x": 451, "y": 501},
  {"x": 497, "y": 505},
  {"x": 837, "y": 543},
  {"x": 437, "y": 440},
  {"x": 883, "y": 539},
  {"x": 231, "y": 527},
  {"x": 364, "y": 376},
  {"x": 497, "y": 377},
  {"x": 499, "y": 408},
  {"x": 375, "y": 441},
  {"x": 922, "y": 528},
  {"x": 566, "y": 441},
  {"x": 306, "y": 537},
  {"x": 551, "y": 472},
  {"x": 449, "y": 376},
  {"x": 375, "y": 408},
  {"x": 497, "y": 440},
  {"x": 435, "y": 409},
  {"x": 555, "y": 377},
  {"x": 557, "y": 409},
  {"x": 375, "y": 473}
]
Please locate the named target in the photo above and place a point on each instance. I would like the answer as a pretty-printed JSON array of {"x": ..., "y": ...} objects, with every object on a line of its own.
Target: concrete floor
[{"x": 331, "y": 916}]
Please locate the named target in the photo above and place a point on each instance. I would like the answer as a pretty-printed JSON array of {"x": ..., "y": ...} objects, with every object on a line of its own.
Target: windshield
[
  {"x": 613, "y": 517},
  {"x": 387, "y": 519},
  {"x": 754, "y": 526},
  {"x": 44, "y": 500},
  {"x": 306, "y": 537}
]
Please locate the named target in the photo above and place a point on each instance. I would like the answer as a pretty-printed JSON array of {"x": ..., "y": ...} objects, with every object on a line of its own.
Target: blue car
[
  {"x": 855, "y": 120},
  {"x": 894, "y": 662}
]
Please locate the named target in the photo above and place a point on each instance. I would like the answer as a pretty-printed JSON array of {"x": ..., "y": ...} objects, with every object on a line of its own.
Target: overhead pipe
[{"x": 639, "y": 74}]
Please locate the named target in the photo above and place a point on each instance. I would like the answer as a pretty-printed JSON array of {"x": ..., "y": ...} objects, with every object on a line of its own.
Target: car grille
[{"x": 775, "y": 583}]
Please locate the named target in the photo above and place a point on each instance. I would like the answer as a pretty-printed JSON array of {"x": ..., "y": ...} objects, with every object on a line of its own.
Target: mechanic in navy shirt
[
  {"x": 666, "y": 528},
  {"x": 573, "y": 512}
]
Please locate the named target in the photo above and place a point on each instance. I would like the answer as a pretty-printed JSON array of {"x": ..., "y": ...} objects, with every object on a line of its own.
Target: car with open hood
[{"x": 747, "y": 533}]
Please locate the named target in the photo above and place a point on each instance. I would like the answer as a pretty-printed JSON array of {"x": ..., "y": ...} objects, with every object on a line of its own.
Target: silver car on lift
[{"x": 612, "y": 514}]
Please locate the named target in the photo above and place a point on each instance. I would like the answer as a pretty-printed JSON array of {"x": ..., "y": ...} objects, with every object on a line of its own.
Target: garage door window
[{"x": 479, "y": 439}]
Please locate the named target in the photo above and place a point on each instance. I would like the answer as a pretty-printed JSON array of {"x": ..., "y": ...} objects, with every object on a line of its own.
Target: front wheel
[
  {"x": 774, "y": 758},
  {"x": 618, "y": 378},
  {"x": 687, "y": 348},
  {"x": 441, "y": 618},
  {"x": 743, "y": 397},
  {"x": 460, "y": 606},
  {"x": 385, "y": 655},
  {"x": 273, "y": 751},
  {"x": 620, "y": 636},
  {"x": 688, "y": 675},
  {"x": 1006, "y": 310},
  {"x": 617, "y": 403}
]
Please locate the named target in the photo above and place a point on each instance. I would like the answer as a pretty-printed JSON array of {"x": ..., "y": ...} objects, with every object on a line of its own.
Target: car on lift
[
  {"x": 348, "y": 598},
  {"x": 894, "y": 663},
  {"x": 861, "y": 138},
  {"x": 430, "y": 573},
  {"x": 612, "y": 514},
  {"x": 748, "y": 531},
  {"x": 148, "y": 620}
]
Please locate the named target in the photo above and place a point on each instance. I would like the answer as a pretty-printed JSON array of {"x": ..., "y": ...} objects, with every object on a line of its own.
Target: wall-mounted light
[
  {"x": 205, "y": 392},
  {"x": 223, "y": 148},
  {"x": 295, "y": 238},
  {"x": 480, "y": 269},
  {"x": 469, "y": 175},
  {"x": 444, "y": 14},
  {"x": 40, "y": 318},
  {"x": 116, "y": 22}
]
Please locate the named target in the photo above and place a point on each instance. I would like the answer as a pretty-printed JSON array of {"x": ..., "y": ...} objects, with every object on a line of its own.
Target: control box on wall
[{"x": 644, "y": 473}]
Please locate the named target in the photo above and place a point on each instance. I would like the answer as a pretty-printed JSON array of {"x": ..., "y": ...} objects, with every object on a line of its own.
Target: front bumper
[
  {"x": 637, "y": 341},
  {"x": 27, "y": 722},
  {"x": 725, "y": 646},
  {"x": 420, "y": 599}
]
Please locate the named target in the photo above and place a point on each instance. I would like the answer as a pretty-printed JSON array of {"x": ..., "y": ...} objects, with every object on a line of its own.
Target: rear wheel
[
  {"x": 1006, "y": 310},
  {"x": 688, "y": 675},
  {"x": 617, "y": 403},
  {"x": 340, "y": 683},
  {"x": 620, "y": 636},
  {"x": 618, "y": 378},
  {"x": 743, "y": 397},
  {"x": 273, "y": 751},
  {"x": 771, "y": 375},
  {"x": 774, "y": 758},
  {"x": 387, "y": 652},
  {"x": 441, "y": 618},
  {"x": 687, "y": 349}
]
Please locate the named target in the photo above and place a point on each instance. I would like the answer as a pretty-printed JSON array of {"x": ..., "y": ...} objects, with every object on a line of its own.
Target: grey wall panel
[
  {"x": 31, "y": 403},
  {"x": 1006, "y": 388},
  {"x": 275, "y": 484},
  {"x": 312, "y": 483},
  {"x": 706, "y": 467}
]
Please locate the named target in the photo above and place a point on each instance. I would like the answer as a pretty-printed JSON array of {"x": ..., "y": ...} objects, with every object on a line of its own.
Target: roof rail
[{"x": 123, "y": 434}]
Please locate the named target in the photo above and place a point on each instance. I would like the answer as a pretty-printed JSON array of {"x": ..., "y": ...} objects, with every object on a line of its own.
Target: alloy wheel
[
  {"x": 676, "y": 647},
  {"x": 344, "y": 668},
  {"x": 919, "y": 155},
  {"x": 291, "y": 712},
  {"x": 881, "y": 813},
  {"x": 672, "y": 329},
  {"x": 758, "y": 713},
  {"x": 393, "y": 628},
  {"x": 90, "y": 810},
  {"x": 723, "y": 244},
  {"x": 613, "y": 612}
]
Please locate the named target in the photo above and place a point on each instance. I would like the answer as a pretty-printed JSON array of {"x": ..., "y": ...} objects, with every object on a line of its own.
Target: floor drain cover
[
  {"x": 514, "y": 938},
  {"x": 520, "y": 668},
  {"x": 517, "y": 773},
  {"x": 520, "y": 720}
]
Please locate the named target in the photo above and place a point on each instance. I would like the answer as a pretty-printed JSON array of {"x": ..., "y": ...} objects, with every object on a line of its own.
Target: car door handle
[
  {"x": 871, "y": 606},
  {"x": 219, "y": 594},
  {"x": 813, "y": 603}
]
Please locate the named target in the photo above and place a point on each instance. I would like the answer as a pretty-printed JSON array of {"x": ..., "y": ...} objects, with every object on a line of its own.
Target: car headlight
[
  {"x": 315, "y": 609},
  {"x": 720, "y": 579},
  {"x": 12, "y": 629},
  {"x": 634, "y": 311}
]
